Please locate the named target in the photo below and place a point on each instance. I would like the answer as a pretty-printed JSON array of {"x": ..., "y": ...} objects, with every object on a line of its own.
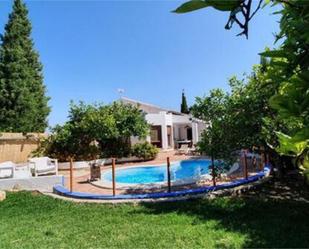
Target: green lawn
[{"x": 34, "y": 221}]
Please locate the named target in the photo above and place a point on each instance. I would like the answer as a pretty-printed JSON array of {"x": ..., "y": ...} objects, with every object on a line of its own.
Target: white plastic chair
[
  {"x": 44, "y": 165},
  {"x": 98, "y": 162}
]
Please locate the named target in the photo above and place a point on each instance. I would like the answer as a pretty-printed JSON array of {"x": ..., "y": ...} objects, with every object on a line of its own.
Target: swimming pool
[{"x": 187, "y": 170}]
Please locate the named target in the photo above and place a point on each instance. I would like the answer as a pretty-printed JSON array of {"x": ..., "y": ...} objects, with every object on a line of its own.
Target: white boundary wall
[{"x": 41, "y": 183}]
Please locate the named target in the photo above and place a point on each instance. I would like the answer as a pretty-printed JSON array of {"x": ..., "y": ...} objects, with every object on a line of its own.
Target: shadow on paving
[{"x": 270, "y": 217}]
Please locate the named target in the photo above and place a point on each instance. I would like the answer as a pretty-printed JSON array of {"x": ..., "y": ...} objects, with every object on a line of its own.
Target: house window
[
  {"x": 189, "y": 133},
  {"x": 155, "y": 135}
]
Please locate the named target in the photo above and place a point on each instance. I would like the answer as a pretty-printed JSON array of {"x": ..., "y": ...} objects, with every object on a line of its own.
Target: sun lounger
[
  {"x": 235, "y": 167},
  {"x": 184, "y": 149}
]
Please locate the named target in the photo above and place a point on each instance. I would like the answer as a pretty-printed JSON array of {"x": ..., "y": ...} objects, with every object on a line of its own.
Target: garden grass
[{"x": 29, "y": 220}]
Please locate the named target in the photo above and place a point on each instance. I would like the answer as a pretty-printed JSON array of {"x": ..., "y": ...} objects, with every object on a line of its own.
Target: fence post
[
  {"x": 246, "y": 165},
  {"x": 168, "y": 174},
  {"x": 71, "y": 174},
  {"x": 254, "y": 163},
  {"x": 261, "y": 164},
  {"x": 213, "y": 170},
  {"x": 113, "y": 175},
  {"x": 267, "y": 158}
]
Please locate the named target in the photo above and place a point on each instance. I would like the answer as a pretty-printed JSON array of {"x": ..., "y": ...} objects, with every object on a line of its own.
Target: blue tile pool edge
[{"x": 61, "y": 190}]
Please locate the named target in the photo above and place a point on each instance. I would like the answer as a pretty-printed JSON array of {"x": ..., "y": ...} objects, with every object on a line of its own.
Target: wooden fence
[{"x": 17, "y": 147}]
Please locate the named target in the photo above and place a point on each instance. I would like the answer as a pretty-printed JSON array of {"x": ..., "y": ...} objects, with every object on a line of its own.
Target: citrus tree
[
  {"x": 215, "y": 141},
  {"x": 96, "y": 131},
  {"x": 289, "y": 72}
]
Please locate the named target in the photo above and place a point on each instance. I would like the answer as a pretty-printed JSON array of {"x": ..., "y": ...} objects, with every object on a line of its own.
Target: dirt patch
[
  {"x": 289, "y": 187},
  {"x": 36, "y": 193}
]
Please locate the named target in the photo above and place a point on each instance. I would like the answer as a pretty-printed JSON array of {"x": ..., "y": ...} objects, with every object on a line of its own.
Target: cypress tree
[
  {"x": 184, "y": 106},
  {"x": 23, "y": 103}
]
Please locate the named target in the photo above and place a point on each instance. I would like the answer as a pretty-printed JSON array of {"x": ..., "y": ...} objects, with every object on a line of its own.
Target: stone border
[
  {"x": 76, "y": 165},
  {"x": 2, "y": 195},
  {"x": 40, "y": 183},
  {"x": 211, "y": 195},
  {"x": 163, "y": 196}
]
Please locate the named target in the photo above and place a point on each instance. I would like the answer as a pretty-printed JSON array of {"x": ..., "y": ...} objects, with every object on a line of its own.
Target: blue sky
[{"x": 89, "y": 49}]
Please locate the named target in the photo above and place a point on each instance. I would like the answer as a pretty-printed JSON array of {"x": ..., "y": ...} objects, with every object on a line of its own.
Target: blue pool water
[{"x": 155, "y": 174}]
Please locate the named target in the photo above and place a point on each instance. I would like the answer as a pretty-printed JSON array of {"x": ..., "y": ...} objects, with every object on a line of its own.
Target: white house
[{"x": 169, "y": 129}]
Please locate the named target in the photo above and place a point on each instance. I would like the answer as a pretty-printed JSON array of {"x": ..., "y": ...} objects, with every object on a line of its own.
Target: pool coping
[
  {"x": 62, "y": 191},
  {"x": 106, "y": 184}
]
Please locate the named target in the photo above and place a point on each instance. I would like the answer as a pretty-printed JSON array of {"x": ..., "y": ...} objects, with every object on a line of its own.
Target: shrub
[
  {"x": 145, "y": 150},
  {"x": 66, "y": 142},
  {"x": 94, "y": 131}
]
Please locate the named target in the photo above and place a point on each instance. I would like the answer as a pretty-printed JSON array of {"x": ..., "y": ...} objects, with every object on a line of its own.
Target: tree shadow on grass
[{"x": 268, "y": 223}]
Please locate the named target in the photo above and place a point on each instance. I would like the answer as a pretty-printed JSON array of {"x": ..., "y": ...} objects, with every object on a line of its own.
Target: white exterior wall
[
  {"x": 201, "y": 128},
  {"x": 178, "y": 119},
  {"x": 177, "y": 123},
  {"x": 136, "y": 140},
  {"x": 163, "y": 119},
  {"x": 180, "y": 122},
  {"x": 195, "y": 133},
  {"x": 180, "y": 131}
]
